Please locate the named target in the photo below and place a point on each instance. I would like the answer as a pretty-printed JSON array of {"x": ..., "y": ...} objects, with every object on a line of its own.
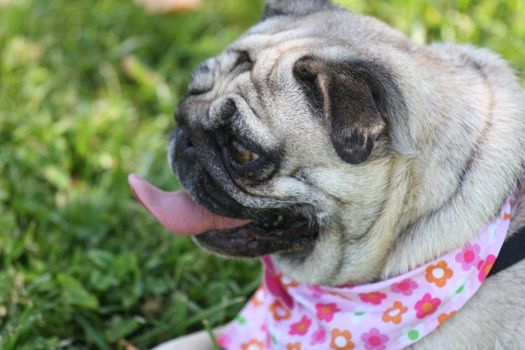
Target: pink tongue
[{"x": 177, "y": 211}]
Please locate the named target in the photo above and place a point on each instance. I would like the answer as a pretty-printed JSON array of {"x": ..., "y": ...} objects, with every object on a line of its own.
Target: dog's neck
[{"x": 423, "y": 236}]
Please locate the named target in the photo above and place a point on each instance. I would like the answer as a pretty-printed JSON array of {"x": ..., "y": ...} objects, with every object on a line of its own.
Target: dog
[{"x": 349, "y": 154}]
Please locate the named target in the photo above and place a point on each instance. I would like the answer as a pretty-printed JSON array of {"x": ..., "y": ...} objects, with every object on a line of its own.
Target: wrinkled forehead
[
  {"x": 275, "y": 37},
  {"x": 323, "y": 33}
]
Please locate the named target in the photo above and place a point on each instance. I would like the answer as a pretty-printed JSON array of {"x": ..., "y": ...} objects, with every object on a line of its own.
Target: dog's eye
[
  {"x": 240, "y": 154},
  {"x": 247, "y": 160}
]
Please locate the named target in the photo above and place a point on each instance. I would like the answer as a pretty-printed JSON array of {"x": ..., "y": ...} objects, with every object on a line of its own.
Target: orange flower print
[
  {"x": 279, "y": 311},
  {"x": 253, "y": 344},
  {"x": 293, "y": 346},
  {"x": 395, "y": 313},
  {"x": 444, "y": 317},
  {"x": 341, "y": 340},
  {"x": 438, "y": 274}
]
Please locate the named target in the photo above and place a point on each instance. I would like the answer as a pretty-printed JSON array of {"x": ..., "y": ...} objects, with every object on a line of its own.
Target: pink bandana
[{"x": 390, "y": 314}]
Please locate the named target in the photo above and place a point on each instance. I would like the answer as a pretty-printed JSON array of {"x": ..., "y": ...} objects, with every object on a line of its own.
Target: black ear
[
  {"x": 354, "y": 100},
  {"x": 295, "y": 7}
]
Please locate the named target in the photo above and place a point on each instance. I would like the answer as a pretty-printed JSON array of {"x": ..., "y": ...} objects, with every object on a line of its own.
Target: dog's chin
[{"x": 288, "y": 233}]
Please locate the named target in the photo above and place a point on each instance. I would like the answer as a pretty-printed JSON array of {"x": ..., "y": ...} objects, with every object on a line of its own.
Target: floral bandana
[{"x": 390, "y": 314}]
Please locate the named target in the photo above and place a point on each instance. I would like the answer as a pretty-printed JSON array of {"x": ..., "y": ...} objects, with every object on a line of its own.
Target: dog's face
[
  {"x": 302, "y": 126},
  {"x": 287, "y": 128}
]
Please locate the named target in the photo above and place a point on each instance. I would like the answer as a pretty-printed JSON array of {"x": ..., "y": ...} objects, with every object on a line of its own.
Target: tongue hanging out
[{"x": 177, "y": 211}]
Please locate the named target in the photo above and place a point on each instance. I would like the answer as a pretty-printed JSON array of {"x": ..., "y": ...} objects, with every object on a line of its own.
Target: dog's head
[
  {"x": 288, "y": 128},
  {"x": 302, "y": 126}
]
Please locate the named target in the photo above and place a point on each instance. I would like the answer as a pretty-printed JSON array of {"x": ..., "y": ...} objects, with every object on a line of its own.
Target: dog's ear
[
  {"x": 295, "y": 7},
  {"x": 354, "y": 99}
]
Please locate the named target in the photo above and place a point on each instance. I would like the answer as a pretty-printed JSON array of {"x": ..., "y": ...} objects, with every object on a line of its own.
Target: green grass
[{"x": 87, "y": 90}]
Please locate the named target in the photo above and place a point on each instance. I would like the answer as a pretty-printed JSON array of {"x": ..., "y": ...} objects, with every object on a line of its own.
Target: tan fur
[{"x": 442, "y": 170}]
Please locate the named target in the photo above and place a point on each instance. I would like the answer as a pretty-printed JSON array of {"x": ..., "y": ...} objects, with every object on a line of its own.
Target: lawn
[{"x": 87, "y": 93}]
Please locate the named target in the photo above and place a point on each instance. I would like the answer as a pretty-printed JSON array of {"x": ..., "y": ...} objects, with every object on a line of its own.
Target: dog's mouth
[
  {"x": 274, "y": 231},
  {"x": 286, "y": 232}
]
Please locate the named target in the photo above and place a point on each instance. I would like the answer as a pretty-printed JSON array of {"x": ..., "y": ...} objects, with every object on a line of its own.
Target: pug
[{"x": 349, "y": 154}]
